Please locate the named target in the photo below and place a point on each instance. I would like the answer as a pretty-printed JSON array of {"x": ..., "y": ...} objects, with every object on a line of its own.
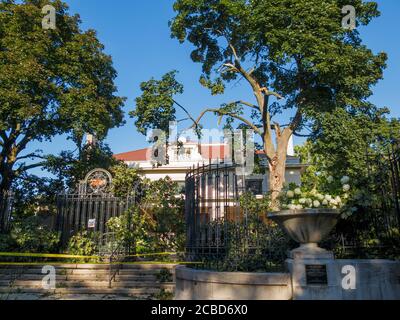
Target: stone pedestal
[
  {"x": 371, "y": 279},
  {"x": 313, "y": 272},
  {"x": 310, "y": 251},
  {"x": 304, "y": 290}
]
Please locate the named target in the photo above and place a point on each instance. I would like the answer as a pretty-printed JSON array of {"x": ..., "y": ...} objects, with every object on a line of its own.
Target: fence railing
[
  {"x": 77, "y": 212},
  {"x": 221, "y": 234}
]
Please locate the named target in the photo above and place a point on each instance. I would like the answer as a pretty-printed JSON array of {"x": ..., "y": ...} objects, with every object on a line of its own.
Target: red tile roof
[
  {"x": 136, "y": 155},
  {"x": 207, "y": 152}
]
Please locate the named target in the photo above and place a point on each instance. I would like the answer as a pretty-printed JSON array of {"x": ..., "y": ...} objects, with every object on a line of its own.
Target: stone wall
[
  {"x": 345, "y": 280},
  {"x": 207, "y": 285}
]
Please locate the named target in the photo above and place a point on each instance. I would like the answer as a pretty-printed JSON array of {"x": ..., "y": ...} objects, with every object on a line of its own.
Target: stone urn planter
[{"x": 307, "y": 227}]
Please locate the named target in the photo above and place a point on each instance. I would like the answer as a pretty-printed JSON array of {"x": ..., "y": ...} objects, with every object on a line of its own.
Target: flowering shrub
[{"x": 294, "y": 197}]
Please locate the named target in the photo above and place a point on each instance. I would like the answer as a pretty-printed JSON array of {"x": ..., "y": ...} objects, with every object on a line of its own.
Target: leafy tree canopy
[
  {"x": 51, "y": 82},
  {"x": 344, "y": 144},
  {"x": 298, "y": 49},
  {"x": 70, "y": 168},
  {"x": 293, "y": 54},
  {"x": 155, "y": 107}
]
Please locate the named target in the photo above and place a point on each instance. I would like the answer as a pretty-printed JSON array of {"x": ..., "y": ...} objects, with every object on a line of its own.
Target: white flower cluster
[{"x": 296, "y": 199}]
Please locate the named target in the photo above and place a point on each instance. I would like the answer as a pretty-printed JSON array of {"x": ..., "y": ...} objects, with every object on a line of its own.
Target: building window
[{"x": 254, "y": 186}]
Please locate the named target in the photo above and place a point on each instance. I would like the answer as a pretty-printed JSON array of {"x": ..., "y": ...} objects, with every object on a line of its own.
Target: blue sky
[{"x": 136, "y": 34}]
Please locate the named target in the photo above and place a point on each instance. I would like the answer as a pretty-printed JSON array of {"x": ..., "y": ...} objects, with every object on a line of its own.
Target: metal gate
[
  {"x": 77, "y": 212},
  {"x": 91, "y": 206}
]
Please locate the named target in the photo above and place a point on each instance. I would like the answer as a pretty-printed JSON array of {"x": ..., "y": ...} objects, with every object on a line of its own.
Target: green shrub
[
  {"x": 6, "y": 243},
  {"x": 163, "y": 295},
  {"x": 83, "y": 244},
  {"x": 129, "y": 228},
  {"x": 165, "y": 276},
  {"x": 28, "y": 235}
]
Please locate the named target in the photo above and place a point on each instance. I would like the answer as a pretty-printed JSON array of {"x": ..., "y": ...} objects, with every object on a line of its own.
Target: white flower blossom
[
  {"x": 346, "y": 188},
  {"x": 328, "y": 197},
  {"x": 345, "y": 180},
  {"x": 325, "y": 202},
  {"x": 330, "y": 179},
  {"x": 292, "y": 207},
  {"x": 320, "y": 197},
  {"x": 316, "y": 204},
  {"x": 302, "y": 201},
  {"x": 297, "y": 191},
  {"x": 290, "y": 194}
]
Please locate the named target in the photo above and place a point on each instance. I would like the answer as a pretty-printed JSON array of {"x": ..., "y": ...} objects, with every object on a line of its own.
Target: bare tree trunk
[{"x": 277, "y": 170}]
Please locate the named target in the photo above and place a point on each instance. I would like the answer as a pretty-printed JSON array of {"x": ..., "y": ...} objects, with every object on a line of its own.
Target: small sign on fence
[{"x": 92, "y": 223}]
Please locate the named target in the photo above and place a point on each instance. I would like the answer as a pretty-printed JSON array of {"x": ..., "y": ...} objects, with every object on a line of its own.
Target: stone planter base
[{"x": 310, "y": 251}]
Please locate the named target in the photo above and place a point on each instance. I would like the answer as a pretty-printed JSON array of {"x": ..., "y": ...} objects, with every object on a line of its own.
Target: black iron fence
[
  {"x": 222, "y": 234},
  {"x": 6, "y": 203},
  {"x": 80, "y": 212}
]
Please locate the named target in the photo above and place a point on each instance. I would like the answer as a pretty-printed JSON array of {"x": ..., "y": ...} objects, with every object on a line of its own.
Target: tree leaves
[
  {"x": 155, "y": 107},
  {"x": 51, "y": 81},
  {"x": 284, "y": 41}
]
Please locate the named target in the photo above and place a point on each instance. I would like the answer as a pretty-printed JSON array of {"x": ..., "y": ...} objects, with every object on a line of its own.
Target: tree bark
[
  {"x": 277, "y": 167},
  {"x": 8, "y": 159},
  {"x": 7, "y": 176}
]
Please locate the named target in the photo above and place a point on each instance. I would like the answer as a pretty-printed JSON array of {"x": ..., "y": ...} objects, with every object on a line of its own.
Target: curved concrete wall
[{"x": 194, "y": 284}]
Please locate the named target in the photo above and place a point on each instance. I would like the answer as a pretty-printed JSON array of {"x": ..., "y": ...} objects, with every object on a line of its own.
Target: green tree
[
  {"x": 293, "y": 55},
  {"x": 126, "y": 181},
  {"x": 51, "y": 82},
  {"x": 345, "y": 144},
  {"x": 71, "y": 167}
]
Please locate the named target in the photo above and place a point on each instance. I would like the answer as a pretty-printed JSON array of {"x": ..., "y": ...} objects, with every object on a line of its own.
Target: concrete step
[
  {"x": 147, "y": 266},
  {"x": 137, "y": 292},
  {"x": 80, "y": 277},
  {"x": 87, "y": 284},
  {"x": 82, "y": 273},
  {"x": 72, "y": 297},
  {"x": 95, "y": 267},
  {"x": 57, "y": 266}
]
